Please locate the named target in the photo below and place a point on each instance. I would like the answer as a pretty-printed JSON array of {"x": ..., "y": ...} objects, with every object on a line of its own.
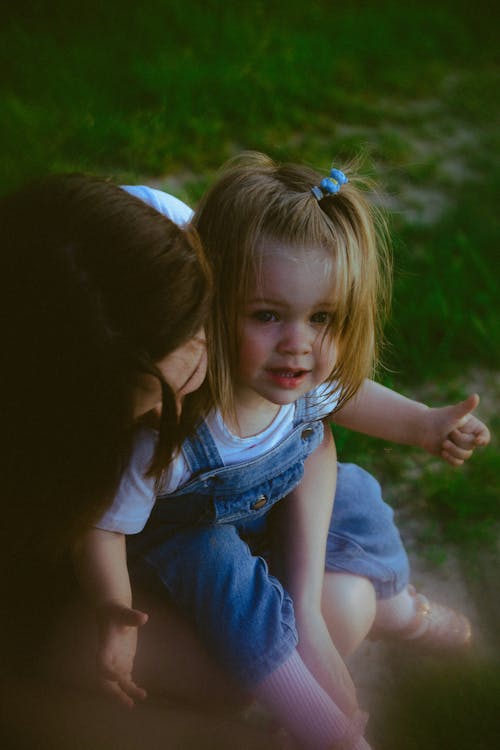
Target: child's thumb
[{"x": 464, "y": 408}]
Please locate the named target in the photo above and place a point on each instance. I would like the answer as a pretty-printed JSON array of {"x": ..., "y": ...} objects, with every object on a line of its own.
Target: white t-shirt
[{"x": 136, "y": 493}]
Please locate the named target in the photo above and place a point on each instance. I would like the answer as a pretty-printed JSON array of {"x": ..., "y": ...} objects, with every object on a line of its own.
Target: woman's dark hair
[{"x": 96, "y": 287}]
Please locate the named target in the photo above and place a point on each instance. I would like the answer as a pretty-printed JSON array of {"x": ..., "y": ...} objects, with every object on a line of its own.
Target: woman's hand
[{"x": 118, "y": 627}]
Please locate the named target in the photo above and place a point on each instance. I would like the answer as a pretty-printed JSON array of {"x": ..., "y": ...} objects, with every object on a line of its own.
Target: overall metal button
[
  {"x": 260, "y": 502},
  {"x": 307, "y": 432}
]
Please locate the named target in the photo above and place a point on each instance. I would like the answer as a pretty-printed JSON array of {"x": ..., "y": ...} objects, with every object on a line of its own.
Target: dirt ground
[{"x": 379, "y": 669}]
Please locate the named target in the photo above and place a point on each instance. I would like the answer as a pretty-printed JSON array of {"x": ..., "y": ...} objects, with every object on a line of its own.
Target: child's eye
[
  {"x": 265, "y": 316},
  {"x": 321, "y": 317}
]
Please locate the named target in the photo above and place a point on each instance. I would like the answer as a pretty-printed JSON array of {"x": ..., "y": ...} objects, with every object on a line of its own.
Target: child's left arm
[{"x": 451, "y": 432}]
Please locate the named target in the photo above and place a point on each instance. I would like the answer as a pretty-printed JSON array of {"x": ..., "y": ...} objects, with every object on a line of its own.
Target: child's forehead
[
  {"x": 281, "y": 271},
  {"x": 275, "y": 256}
]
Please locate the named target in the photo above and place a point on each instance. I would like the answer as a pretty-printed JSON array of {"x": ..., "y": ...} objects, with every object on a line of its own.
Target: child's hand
[
  {"x": 116, "y": 651},
  {"x": 454, "y": 433}
]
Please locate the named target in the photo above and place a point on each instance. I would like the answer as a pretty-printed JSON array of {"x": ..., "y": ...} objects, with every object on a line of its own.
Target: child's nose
[{"x": 296, "y": 339}]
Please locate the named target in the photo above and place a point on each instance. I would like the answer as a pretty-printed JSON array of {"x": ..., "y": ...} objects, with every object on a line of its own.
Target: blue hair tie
[{"x": 329, "y": 185}]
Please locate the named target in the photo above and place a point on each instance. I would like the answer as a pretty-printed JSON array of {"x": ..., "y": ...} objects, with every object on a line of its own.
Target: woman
[{"x": 102, "y": 305}]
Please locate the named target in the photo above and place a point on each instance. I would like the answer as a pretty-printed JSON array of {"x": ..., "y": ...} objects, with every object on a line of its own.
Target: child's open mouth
[{"x": 287, "y": 378}]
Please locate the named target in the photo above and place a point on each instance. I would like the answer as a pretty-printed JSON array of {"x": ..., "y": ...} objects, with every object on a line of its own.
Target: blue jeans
[
  {"x": 206, "y": 545},
  {"x": 363, "y": 538}
]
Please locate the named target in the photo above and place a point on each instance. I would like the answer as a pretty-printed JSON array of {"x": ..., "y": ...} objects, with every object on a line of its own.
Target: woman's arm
[{"x": 101, "y": 565}]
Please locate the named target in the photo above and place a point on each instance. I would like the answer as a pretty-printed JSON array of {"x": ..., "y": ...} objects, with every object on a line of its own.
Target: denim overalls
[{"x": 206, "y": 543}]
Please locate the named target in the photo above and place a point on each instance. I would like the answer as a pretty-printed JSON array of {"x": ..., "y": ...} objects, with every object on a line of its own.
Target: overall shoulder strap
[
  {"x": 300, "y": 410},
  {"x": 200, "y": 450},
  {"x": 307, "y": 408}
]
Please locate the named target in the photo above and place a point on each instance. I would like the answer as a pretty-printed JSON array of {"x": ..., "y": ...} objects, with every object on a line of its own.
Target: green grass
[
  {"x": 445, "y": 313},
  {"x": 458, "y": 507},
  {"x": 145, "y": 88},
  {"x": 138, "y": 90},
  {"x": 466, "y": 501}
]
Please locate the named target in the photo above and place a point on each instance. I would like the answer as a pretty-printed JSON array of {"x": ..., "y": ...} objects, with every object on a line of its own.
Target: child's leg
[
  {"x": 307, "y": 711},
  {"x": 365, "y": 558},
  {"x": 246, "y": 622},
  {"x": 349, "y": 606},
  {"x": 365, "y": 542}
]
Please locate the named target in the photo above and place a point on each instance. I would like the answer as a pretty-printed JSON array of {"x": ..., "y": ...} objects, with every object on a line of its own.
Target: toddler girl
[
  {"x": 274, "y": 214},
  {"x": 293, "y": 334}
]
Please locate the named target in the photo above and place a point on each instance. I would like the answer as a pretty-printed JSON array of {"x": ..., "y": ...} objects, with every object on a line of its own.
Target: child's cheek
[
  {"x": 328, "y": 353},
  {"x": 253, "y": 347},
  {"x": 245, "y": 348}
]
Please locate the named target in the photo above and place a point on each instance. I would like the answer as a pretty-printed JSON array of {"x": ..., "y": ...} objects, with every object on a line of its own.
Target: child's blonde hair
[{"x": 255, "y": 202}]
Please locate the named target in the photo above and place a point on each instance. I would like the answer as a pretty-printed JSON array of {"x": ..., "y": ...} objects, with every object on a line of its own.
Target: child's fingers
[
  {"x": 462, "y": 439},
  {"x": 133, "y": 618},
  {"x": 482, "y": 435},
  {"x": 132, "y": 690},
  {"x": 450, "y": 459},
  {"x": 472, "y": 437},
  {"x": 122, "y": 616},
  {"x": 477, "y": 429},
  {"x": 125, "y": 690},
  {"x": 454, "y": 454},
  {"x": 113, "y": 690},
  {"x": 456, "y": 451}
]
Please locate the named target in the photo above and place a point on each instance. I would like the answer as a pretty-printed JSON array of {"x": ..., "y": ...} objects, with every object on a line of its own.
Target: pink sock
[{"x": 302, "y": 706}]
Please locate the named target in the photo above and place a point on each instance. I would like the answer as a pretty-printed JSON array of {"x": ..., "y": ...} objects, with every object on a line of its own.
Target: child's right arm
[
  {"x": 101, "y": 564},
  {"x": 452, "y": 432}
]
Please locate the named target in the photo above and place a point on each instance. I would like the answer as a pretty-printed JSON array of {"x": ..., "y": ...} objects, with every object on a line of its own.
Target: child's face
[
  {"x": 283, "y": 349},
  {"x": 184, "y": 369}
]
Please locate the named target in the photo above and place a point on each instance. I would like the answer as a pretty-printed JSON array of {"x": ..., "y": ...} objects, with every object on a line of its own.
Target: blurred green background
[{"x": 163, "y": 91}]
